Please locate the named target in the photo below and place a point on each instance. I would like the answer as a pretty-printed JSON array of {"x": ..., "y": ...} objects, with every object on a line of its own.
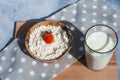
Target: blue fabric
[
  {"x": 22, "y": 10},
  {"x": 115, "y": 4}
]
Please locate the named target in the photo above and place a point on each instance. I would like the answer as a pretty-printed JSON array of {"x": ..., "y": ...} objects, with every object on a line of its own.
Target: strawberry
[{"x": 48, "y": 37}]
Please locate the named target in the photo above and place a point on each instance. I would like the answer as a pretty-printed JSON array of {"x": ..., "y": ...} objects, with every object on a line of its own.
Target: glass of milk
[{"x": 100, "y": 43}]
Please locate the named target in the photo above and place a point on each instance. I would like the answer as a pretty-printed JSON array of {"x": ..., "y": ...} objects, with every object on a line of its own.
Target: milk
[{"x": 99, "y": 42}]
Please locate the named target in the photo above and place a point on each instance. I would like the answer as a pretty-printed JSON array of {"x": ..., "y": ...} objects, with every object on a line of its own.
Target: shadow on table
[
  {"x": 77, "y": 50},
  {"x": 20, "y": 34}
]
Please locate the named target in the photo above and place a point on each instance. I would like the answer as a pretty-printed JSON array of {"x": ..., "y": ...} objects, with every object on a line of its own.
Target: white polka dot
[
  {"x": 84, "y": 11},
  {"x": 7, "y": 79},
  {"x": 1, "y": 68},
  {"x": 6, "y": 49},
  {"x": 94, "y": 14},
  {"x": 23, "y": 60},
  {"x": 54, "y": 75},
  {"x": 82, "y": 28},
  {"x": 114, "y": 23},
  {"x": 53, "y": 17},
  {"x": 104, "y": 7},
  {"x": 84, "y": 5},
  {"x": 43, "y": 75},
  {"x": 104, "y": 15},
  {"x": 34, "y": 62},
  {"x": 94, "y": 21},
  {"x": 94, "y": 7},
  {"x": 57, "y": 65},
  {"x": 64, "y": 9},
  {"x": 20, "y": 70},
  {"x": 13, "y": 59},
  {"x": 72, "y": 28},
  {"x": 83, "y": 19},
  {"x": 62, "y": 18},
  {"x": 15, "y": 48},
  {"x": 115, "y": 15},
  {"x": 3, "y": 58},
  {"x": 81, "y": 38},
  {"x": 74, "y": 11},
  {"x": 32, "y": 73},
  {"x": 45, "y": 64},
  {"x": 94, "y": 29},
  {"x": 67, "y": 66},
  {"x": 73, "y": 19},
  {"x": 75, "y": 4},
  {"x": 81, "y": 48},
  {"x": 10, "y": 69},
  {"x": 69, "y": 56},
  {"x": 104, "y": 22}
]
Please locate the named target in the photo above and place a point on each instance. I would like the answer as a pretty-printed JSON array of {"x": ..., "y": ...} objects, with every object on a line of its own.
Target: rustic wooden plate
[{"x": 48, "y": 22}]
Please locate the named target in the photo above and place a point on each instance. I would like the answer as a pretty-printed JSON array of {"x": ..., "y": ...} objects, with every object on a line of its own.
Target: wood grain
[{"x": 78, "y": 70}]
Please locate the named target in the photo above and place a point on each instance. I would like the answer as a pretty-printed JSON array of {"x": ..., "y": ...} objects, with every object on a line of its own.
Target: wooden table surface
[{"x": 78, "y": 70}]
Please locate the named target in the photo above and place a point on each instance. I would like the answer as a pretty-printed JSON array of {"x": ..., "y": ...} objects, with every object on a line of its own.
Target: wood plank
[{"x": 78, "y": 71}]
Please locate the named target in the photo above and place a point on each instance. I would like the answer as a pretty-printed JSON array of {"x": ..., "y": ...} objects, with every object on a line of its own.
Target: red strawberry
[{"x": 48, "y": 37}]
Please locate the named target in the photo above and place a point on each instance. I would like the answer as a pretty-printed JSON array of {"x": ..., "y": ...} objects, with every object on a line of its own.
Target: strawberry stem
[{"x": 48, "y": 31}]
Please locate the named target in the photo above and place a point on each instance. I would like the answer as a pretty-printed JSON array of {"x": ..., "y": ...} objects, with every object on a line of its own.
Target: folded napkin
[{"x": 17, "y": 65}]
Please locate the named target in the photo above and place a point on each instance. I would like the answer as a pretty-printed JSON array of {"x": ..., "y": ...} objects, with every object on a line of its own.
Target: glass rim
[{"x": 107, "y": 27}]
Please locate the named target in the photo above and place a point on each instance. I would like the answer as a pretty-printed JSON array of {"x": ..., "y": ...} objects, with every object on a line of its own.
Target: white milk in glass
[{"x": 100, "y": 42}]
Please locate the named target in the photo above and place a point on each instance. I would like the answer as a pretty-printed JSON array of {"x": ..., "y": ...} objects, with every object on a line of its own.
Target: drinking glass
[{"x": 100, "y": 44}]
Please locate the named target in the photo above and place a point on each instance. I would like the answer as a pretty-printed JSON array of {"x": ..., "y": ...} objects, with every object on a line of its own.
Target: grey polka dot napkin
[{"x": 15, "y": 64}]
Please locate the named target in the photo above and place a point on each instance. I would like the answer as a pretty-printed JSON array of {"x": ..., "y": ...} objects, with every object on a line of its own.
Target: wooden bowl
[{"x": 46, "y": 23}]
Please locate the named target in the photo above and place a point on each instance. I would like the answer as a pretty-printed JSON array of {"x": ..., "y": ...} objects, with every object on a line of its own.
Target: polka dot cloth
[
  {"x": 82, "y": 15},
  {"x": 7, "y": 79},
  {"x": 31, "y": 73},
  {"x": 43, "y": 75},
  {"x": 20, "y": 70},
  {"x": 10, "y": 69},
  {"x": 3, "y": 58},
  {"x": 34, "y": 62},
  {"x": 56, "y": 65},
  {"x": 1, "y": 68},
  {"x": 12, "y": 59},
  {"x": 22, "y": 60},
  {"x": 45, "y": 64}
]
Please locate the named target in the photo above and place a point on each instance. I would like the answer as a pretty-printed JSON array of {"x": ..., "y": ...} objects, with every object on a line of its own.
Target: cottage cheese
[{"x": 48, "y": 51}]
